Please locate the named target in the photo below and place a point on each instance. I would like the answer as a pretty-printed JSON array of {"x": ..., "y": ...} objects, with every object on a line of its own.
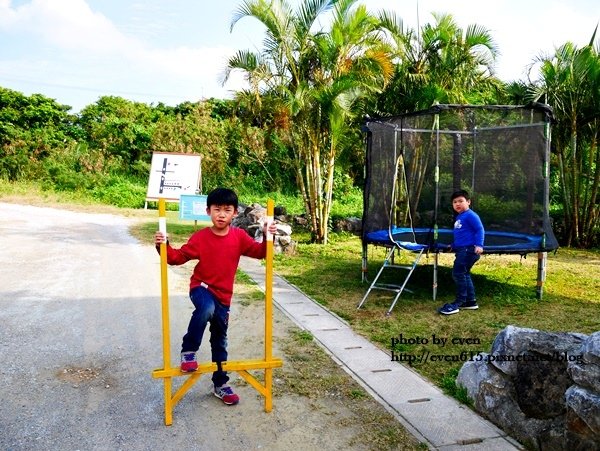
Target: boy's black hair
[
  {"x": 460, "y": 193},
  {"x": 222, "y": 196}
]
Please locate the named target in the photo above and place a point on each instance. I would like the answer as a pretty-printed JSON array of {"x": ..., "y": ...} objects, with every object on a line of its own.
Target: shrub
[
  {"x": 61, "y": 177},
  {"x": 120, "y": 192}
]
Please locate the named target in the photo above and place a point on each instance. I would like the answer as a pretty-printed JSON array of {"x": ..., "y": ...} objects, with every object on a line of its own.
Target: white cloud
[
  {"x": 7, "y": 14},
  {"x": 67, "y": 24},
  {"x": 88, "y": 52}
]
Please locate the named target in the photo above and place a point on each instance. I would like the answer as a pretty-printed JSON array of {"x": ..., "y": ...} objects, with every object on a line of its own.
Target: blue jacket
[{"x": 468, "y": 230}]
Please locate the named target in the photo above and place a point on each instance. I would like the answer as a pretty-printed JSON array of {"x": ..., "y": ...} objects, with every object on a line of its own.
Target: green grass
[{"x": 506, "y": 295}]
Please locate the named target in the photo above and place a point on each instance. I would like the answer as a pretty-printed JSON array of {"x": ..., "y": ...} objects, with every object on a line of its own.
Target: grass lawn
[{"x": 505, "y": 287}]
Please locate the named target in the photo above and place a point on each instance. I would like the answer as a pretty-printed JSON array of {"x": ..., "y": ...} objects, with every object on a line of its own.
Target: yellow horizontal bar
[{"x": 231, "y": 365}]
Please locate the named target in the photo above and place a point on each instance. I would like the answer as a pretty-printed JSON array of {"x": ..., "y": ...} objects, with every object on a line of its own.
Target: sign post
[{"x": 162, "y": 227}]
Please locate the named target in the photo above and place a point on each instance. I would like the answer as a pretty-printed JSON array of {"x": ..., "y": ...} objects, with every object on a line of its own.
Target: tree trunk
[
  {"x": 591, "y": 208},
  {"x": 574, "y": 185}
]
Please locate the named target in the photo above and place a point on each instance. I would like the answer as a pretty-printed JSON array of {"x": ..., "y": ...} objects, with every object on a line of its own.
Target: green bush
[
  {"x": 120, "y": 192},
  {"x": 61, "y": 177},
  {"x": 343, "y": 185},
  {"x": 350, "y": 205},
  {"x": 496, "y": 210}
]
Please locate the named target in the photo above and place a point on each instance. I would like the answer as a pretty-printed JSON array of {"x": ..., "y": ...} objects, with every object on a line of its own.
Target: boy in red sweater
[{"x": 218, "y": 249}]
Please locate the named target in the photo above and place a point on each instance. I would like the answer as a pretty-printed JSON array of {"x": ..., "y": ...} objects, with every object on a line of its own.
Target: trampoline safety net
[{"x": 500, "y": 154}]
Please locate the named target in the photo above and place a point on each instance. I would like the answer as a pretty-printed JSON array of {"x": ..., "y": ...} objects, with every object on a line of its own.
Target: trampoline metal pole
[
  {"x": 364, "y": 262},
  {"x": 435, "y": 271},
  {"x": 541, "y": 274},
  {"x": 437, "y": 203},
  {"x": 543, "y": 256}
]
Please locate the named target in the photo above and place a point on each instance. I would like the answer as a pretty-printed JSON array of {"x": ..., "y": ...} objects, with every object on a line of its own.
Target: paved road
[
  {"x": 76, "y": 342},
  {"x": 80, "y": 333}
]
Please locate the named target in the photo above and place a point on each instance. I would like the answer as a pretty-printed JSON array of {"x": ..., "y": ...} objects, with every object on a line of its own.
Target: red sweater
[{"x": 218, "y": 258}]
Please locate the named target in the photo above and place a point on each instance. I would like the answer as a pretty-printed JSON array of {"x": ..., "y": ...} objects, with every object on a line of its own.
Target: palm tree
[
  {"x": 315, "y": 80},
  {"x": 442, "y": 63},
  {"x": 569, "y": 81},
  {"x": 439, "y": 63}
]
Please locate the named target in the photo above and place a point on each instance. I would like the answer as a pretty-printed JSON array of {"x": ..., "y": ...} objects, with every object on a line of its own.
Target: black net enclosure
[{"x": 499, "y": 154}]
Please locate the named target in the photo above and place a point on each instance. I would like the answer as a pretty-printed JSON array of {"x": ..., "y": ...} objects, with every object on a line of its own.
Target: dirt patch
[
  {"x": 85, "y": 376},
  {"x": 78, "y": 375}
]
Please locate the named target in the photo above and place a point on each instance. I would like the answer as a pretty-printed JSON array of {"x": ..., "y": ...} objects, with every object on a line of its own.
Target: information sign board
[
  {"x": 173, "y": 174},
  {"x": 193, "y": 208}
]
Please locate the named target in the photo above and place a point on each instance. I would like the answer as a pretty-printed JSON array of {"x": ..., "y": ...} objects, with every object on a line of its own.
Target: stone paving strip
[{"x": 421, "y": 407}]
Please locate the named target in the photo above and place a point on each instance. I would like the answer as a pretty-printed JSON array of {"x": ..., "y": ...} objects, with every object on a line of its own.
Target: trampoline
[
  {"x": 414, "y": 162},
  {"x": 495, "y": 242}
]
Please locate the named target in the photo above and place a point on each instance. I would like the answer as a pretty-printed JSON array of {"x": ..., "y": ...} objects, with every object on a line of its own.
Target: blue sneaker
[
  {"x": 189, "y": 363},
  {"x": 469, "y": 305},
  {"x": 448, "y": 309},
  {"x": 226, "y": 394}
]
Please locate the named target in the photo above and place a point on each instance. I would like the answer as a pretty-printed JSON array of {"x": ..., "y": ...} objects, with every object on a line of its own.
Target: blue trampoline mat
[{"x": 422, "y": 238}]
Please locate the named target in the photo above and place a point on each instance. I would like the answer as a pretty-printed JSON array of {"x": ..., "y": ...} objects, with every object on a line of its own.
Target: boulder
[
  {"x": 542, "y": 388},
  {"x": 251, "y": 218}
]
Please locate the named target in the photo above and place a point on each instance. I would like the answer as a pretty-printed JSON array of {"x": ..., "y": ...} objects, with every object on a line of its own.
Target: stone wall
[{"x": 542, "y": 388}]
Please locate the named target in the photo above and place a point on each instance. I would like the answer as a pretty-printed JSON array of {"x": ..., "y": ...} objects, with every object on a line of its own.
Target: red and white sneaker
[
  {"x": 188, "y": 362},
  {"x": 226, "y": 394}
]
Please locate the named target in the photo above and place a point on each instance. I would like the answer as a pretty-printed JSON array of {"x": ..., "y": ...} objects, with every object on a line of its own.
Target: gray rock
[
  {"x": 251, "y": 219},
  {"x": 540, "y": 386},
  {"x": 511, "y": 341},
  {"x": 586, "y": 375},
  {"x": 352, "y": 224},
  {"x": 473, "y": 373},
  {"x": 583, "y": 414},
  {"x": 591, "y": 349},
  {"x": 543, "y": 388},
  {"x": 284, "y": 229}
]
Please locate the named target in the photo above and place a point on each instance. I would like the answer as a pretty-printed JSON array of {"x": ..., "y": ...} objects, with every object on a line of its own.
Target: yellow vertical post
[
  {"x": 162, "y": 227},
  {"x": 269, "y": 311}
]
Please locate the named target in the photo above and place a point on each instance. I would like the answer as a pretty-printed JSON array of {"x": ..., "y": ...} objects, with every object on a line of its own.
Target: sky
[{"x": 152, "y": 51}]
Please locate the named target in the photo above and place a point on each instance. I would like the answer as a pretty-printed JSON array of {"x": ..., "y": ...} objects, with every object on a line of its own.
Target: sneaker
[
  {"x": 448, "y": 309},
  {"x": 188, "y": 362},
  {"x": 469, "y": 305},
  {"x": 226, "y": 394}
]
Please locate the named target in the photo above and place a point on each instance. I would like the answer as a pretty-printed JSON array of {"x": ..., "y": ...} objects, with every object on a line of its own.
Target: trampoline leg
[
  {"x": 541, "y": 274},
  {"x": 435, "y": 275},
  {"x": 364, "y": 264}
]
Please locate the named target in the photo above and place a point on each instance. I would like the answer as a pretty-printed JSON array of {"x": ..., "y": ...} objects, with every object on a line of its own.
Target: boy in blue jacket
[{"x": 468, "y": 247}]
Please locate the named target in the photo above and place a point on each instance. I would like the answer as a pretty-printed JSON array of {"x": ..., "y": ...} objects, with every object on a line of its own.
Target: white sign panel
[{"x": 173, "y": 174}]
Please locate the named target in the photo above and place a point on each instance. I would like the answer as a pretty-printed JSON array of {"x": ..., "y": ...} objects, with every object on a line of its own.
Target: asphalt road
[
  {"x": 80, "y": 320},
  {"x": 80, "y": 333}
]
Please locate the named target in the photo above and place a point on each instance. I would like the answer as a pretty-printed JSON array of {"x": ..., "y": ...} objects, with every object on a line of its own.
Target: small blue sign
[{"x": 193, "y": 207}]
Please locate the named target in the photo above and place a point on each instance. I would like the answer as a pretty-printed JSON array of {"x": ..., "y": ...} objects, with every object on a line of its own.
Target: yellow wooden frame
[{"x": 167, "y": 373}]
